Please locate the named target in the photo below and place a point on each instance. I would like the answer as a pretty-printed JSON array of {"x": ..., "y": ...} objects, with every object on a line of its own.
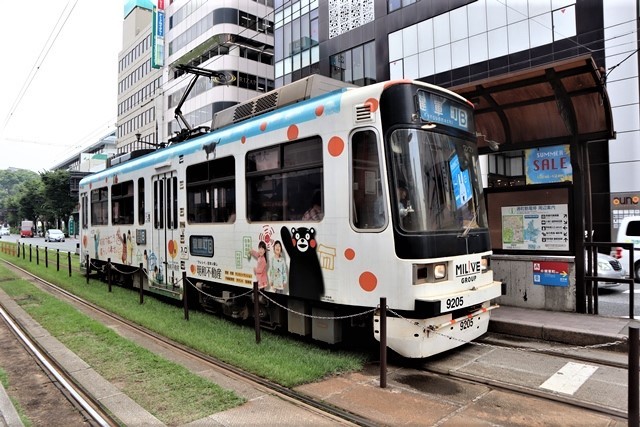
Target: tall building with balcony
[
  {"x": 140, "y": 102},
  {"x": 234, "y": 37}
]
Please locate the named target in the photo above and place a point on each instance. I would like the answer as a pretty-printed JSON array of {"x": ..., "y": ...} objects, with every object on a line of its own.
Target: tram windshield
[{"x": 437, "y": 181}]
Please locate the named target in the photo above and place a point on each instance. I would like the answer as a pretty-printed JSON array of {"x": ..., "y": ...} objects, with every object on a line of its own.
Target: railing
[{"x": 592, "y": 281}]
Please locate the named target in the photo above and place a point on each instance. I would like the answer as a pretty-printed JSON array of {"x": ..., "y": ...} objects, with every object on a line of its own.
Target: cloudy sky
[{"x": 58, "y": 78}]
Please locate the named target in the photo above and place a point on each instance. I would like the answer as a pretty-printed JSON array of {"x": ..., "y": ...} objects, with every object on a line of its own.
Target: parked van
[
  {"x": 26, "y": 229},
  {"x": 629, "y": 232}
]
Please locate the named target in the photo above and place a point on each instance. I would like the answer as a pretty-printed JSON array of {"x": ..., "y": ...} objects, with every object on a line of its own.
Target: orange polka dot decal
[
  {"x": 336, "y": 146},
  {"x": 319, "y": 110},
  {"x": 243, "y": 139},
  {"x": 349, "y": 254},
  {"x": 192, "y": 268},
  {"x": 368, "y": 281},
  {"x": 292, "y": 132},
  {"x": 372, "y": 103},
  {"x": 263, "y": 126},
  {"x": 172, "y": 247},
  {"x": 85, "y": 239}
]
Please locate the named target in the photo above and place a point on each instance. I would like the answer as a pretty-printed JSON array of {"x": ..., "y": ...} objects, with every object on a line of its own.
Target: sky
[{"x": 58, "y": 78}]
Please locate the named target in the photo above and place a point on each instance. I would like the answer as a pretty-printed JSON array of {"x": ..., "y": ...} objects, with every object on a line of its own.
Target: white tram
[{"x": 353, "y": 194}]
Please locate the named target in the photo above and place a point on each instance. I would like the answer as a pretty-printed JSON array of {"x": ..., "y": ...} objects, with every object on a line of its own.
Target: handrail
[{"x": 589, "y": 246}]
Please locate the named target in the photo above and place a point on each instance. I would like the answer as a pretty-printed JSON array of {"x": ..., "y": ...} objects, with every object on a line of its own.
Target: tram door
[{"x": 163, "y": 271}]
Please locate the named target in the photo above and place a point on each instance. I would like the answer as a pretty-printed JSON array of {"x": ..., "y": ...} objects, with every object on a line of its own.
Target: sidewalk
[{"x": 566, "y": 328}]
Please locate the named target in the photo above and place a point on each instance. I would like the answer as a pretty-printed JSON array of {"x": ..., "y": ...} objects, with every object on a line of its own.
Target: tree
[
  {"x": 11, "y": 181},
  {"x": 58, "y": 203},
  {"x": 30, "y": 201}
]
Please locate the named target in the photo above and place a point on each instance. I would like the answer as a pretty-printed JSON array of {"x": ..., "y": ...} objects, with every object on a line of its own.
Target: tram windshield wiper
[{"x": 467, "y": 229}]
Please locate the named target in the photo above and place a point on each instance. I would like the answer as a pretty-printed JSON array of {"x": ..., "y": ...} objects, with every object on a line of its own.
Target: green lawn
[{"x": 280, "y": 359}]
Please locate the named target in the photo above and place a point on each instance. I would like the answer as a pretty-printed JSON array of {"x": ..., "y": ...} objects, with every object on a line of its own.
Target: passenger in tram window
[
  {"x": 315, "y": 212},
  {"x": 378, "y": 210}
]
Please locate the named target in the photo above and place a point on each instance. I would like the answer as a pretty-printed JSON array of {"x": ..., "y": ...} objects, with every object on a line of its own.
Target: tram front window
[{"x": 437, "y": 181}]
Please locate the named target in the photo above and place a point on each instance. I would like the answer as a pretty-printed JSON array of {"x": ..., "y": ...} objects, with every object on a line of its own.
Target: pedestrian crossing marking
[
  {"x": 635, "y": 291},
  {"x": 569, "y": 378}
]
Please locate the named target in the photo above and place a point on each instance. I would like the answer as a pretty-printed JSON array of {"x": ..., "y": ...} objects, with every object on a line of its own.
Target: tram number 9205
[{"x": 455, "y": 302}]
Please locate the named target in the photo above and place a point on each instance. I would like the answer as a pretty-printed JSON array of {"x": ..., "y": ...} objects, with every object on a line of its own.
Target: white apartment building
[
  {"x": 231, "y": 36},
  {"x": 140, "y": 103}
]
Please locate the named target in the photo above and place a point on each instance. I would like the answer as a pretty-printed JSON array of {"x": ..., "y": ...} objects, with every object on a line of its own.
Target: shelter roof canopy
[{"x": 547, "y": 105}]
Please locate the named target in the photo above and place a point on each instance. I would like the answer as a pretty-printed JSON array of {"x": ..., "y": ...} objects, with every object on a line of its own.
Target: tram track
[
  {"x": 503, "y": 343},
  {"x": 89, "y": 407},
  {"x": 306, "y": 402}
]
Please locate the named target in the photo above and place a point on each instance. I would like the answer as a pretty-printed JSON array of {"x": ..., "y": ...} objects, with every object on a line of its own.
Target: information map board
[{"x": 535, "y": 227}]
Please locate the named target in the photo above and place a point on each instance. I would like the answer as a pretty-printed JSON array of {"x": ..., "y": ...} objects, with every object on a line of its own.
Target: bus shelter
[{"x": 546, "y": 121}]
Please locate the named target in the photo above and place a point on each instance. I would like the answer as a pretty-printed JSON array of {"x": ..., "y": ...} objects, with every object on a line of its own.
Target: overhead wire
[{"x": 40, "y": 60}]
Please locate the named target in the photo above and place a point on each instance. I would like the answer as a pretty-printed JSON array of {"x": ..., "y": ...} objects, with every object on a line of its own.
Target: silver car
[
  {"x": 54, "y": 235},
  {"x": 608, "y": 267}
]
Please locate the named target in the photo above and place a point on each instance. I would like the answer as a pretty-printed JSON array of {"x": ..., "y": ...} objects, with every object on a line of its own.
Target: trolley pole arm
[{"x": 216, "y": 76}]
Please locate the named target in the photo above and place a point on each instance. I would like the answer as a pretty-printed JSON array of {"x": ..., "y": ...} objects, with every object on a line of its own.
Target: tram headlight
[
  {"x": 439, "y": 271},
  {"x": 485, "y": 263},
  {"x": 429, "y": 273}
]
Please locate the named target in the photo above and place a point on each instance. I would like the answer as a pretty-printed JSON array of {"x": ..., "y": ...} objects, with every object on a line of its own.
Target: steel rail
[
  {"x": 300, "y": 399},
  {"x": 80, "y": 397}
]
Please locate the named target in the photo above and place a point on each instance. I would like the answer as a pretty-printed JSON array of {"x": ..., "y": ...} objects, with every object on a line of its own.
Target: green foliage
[
  {"x": 12, "y": 182},
  {"x": 37, "y": 197},
  {"x": 57, "y": 203}
]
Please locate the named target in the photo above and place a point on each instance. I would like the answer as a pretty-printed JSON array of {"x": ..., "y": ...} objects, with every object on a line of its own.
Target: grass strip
[
  {"x": 283, "y": 360},
  {"x": 168, "y": 390}
]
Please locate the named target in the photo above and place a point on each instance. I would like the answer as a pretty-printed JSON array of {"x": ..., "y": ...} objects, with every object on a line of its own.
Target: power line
[{"x": 40, "y": 60}]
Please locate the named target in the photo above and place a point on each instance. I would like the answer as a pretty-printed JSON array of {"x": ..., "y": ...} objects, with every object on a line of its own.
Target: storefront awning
[{"x": 541, "y": 106}]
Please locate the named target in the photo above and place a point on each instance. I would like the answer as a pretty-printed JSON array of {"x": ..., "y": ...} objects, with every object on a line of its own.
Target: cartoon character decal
[{"x": 305, "y": 273}]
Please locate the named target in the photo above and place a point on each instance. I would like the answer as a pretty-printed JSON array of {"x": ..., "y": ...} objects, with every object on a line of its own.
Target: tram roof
[{"x": 547, "y": 105}]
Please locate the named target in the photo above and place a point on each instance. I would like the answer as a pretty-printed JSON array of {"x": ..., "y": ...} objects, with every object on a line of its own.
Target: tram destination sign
[
  {"x": 438, "y": 109},
  {"x": 535, "y": 227}
]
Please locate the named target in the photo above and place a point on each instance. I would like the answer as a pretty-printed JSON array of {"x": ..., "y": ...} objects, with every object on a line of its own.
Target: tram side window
[
  {"x": 211, "y": 191},
  {"x": 141, "y": 201},
  {"x": 100, "y": 206},
  {"x": 85, "y": 210},
  {"x": 158, "y": 204},
  {"x": 172, "y": 202},
  {"x": 284, "y": 180},
  {"x": 122, "y": 203},
  {"x": 368, "y": 204}
]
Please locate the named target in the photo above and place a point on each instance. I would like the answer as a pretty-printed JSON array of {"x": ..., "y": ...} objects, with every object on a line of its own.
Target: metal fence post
[
  {"x": 30, "y": 255},
  {"x": 88, "y": 266},
  {"x": 57, "y": 259},
  {"x": 383, "y": 342},
  {"x": 37, "y": 255},
  {"x": 109, "y": 273},
  {"x": 69, "y": 262},
  {"x": 633, "y": 401},
  {"x": 256, "y": 311},
  {"x": 141, "y": 284},
  {"x": 185, "y": 299}
]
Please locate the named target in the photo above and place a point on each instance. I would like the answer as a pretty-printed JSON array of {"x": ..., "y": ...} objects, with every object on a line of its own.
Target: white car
[
  {"x": 608, "y": 267},
  {"x": 4, "y": 231},
  {"x": 54, "y": 235},
  {"x": 629, "y": 232}
]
